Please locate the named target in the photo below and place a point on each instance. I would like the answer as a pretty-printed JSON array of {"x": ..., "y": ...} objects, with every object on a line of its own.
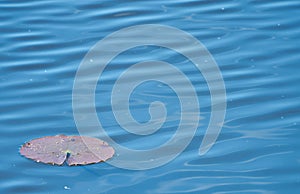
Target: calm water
[{"x": 255, "y": 43}]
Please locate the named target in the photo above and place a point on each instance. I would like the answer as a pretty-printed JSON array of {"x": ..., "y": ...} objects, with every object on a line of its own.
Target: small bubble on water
[
  {"x": 223, "y": 8},
  {"x": 219, "y": 38},
  {"x": 66, "y": 187},
  {"x": 91, "y": 60},
  {"x": 282, "y": 117}
]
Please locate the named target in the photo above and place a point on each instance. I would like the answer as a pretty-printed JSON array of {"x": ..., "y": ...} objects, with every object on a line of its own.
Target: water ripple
[{"x": 254, "y": 43}]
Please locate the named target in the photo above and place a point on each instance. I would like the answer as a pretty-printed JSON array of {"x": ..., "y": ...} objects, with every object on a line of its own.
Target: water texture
[{"x": 255, "y": 44}]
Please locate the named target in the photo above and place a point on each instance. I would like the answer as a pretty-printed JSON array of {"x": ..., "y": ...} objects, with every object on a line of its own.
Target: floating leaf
[{"x": 75, "y": 150}]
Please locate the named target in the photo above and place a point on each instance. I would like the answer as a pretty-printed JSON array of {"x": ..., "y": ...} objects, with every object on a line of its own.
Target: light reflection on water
[{"x": 253, "y": 42}]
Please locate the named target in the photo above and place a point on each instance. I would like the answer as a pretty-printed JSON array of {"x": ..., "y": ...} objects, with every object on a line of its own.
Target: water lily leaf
[{"x": 75, "y": 150}]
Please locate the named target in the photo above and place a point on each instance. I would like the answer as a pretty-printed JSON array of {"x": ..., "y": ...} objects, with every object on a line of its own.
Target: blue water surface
[{"x": 255, "y": 43}]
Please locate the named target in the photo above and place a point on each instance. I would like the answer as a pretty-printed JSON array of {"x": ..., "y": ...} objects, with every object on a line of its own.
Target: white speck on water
[
  {"x": 278, "y": 24},
  {"x": 76, "y": 11},
  {"x": 282, "y": 117},
  {"x": 223, "y": 8},
  {"x": 219, "y": 38},
  {"x": 164, "y": 8},
  {"x": 31, "y": 80},
  {"x": 66, "y": 187},
  {"x": 45, "y": 71},
  {"x": 91, "y": 60}
]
